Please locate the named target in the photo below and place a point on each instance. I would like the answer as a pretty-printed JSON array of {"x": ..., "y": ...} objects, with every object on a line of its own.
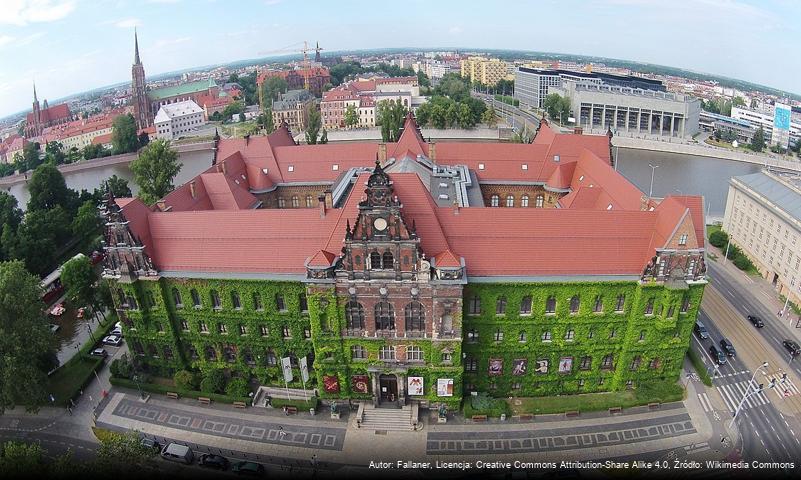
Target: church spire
[
  {"x": 34, "y": 93},
  {"x": 136, "y": 49}
]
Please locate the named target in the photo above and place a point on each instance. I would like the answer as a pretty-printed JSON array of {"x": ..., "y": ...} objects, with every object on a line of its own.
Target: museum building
[{"x": 412, "y": 271}]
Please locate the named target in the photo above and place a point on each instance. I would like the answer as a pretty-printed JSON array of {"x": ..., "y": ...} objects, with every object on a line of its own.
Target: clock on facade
[{"x": 380, "y": 224}]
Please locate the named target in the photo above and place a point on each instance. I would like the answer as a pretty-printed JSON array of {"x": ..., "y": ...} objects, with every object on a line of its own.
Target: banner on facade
[
  {"x": 304, "y": 369},
  {"x": 360, "y": 384},
  {"x": 286, "y": 366},
  {"x": 519, "y": 366},
  {"x": 542, "y": 366},
  {"x": 415, "y": 385},
  {"x": 495, "y": 366},
  {"x": 565, "y": 364},
  {"x": 331, "y": 383},
  {"x": 444, "y": 387}
]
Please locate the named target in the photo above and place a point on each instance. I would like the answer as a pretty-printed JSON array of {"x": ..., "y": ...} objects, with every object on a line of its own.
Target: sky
[{"x": 70, "y": 46}]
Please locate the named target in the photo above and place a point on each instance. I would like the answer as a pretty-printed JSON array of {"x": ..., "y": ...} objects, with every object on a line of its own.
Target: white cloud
[
  {"x": 128, "y": 23},
  {"x": 7, "y": 40},
  {"x": 455, "y": 30},
  {"x": 23, "y": 12}
]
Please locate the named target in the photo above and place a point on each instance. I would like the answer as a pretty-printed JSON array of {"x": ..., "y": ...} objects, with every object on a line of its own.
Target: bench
[
  {"x": 526, "y": 416},
  {"x": 654, "y": 405},
  {"x": 291, "y": 410},
  {"x": 479, "y": 418},
  {"x": 572, "y": 413},
  {"x": 172, "y": 395},
  {"x": 204, "y": 400},
  {"x": 614, "y": 410},
  {"x": 240, "y": 404}
]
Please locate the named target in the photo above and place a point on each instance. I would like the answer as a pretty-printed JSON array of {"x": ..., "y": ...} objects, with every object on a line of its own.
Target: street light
[
  {"x": 651, "y": 189},
  {"x": 748, "y": 391}
]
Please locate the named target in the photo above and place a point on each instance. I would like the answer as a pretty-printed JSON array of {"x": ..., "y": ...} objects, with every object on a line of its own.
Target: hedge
[
  {"x": 699, "y": 367},
  {"x": 67, "y": 381},
  {"x": 163, "y": 389},
  {"x": 484, "y": 405},
  {"x": 279, "y": 402}
]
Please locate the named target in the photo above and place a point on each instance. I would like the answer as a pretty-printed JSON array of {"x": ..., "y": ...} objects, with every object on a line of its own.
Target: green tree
[
  {"x": 738, "y": 101},
  {"x": 213, "y": 381},
  {"x": 237, "y": 387},
  {"x": 119, "y": 187},
  {"x": 38, "y": 238},
  {"x": 522, "y": 135},
  {"x": 30, "y": 157},
  {"x": 271, "y": 88},
  {"x": 351, "y": 116},
  {"x": 758, "y": 140},
  {"x": 54, "y": 153},
  {"x": 22, "y": 460},
  {"x": 87, "y": 221},
  {"x": 74, "y": 155},
  {"x": 154, "y": 170},
  {"x": 313, "y": 124},
  {"x": 216, "y": 117},
  {"x": 323, "y": 136},
  {"x": 390, "y": 115},
  {"x": 185, "y": 380},
  {"x": 490, "y": 117},
  {"x": 92, "y": 151},
  {"x": 25, "y": 338},
  {"x": 719, "y": 238},
  {"x": 234, "y": 108},
  {"x": 423, "y": 114},
  {"x": 123, "y": 134},
  {"x": 557, "y": 107},
  {"x": 422, "y": 79},
  {"x": 438, "y": 116},
  {"x": 241, "y": 117},
  {"x": 78, "y": 277},
  {"x": 122, "y": 367},
  {"x": 464, "y": 117},
  {"x": 48, "y": 188},
  {"x": 10, "y": 218},
  {"x": 122, "y": 450},
  {"x": 267, "y": 120}
]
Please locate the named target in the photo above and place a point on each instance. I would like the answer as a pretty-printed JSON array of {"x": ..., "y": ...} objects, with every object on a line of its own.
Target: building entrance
[{"x": 388, "y": 388}]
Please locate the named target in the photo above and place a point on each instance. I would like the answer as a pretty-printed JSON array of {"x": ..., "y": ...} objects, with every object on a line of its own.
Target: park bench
[
  {"x": 240, "y": 404},
  {"x": 172, "y": 395},
  {"x": 614, "y": 410},
  {"x": 654, "y": 405},
  {"x": 526, "y": 416},
  {"x": 479, "y": 418},
  {"x": 204, "y": 400},
  {"x": 572, "y": 413},
  {"x": 291, "y": 410}
]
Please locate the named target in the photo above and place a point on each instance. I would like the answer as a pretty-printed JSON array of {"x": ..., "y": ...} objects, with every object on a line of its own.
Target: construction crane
[{"x": 305, "y": 51}]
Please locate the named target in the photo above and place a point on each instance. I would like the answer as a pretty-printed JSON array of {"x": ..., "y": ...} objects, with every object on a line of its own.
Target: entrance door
[{"x": 388, "y": 386}]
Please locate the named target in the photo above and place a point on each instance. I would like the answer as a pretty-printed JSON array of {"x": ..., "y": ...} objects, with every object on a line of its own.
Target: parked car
[
  {"x": 213, "y": 461},
  {"x": 727, "y": 347},
  {"x": 99, "y": 352},
  {"x": 756, "y": 321},
  {"x": 700, "y": 329},
  {"x": 150, "y": 443},
  {"x": 248, "y": 468},
  {"x": 178, "y": 453},
  {"x": 792, "y": 347},
  {"x": 117, "y": 331},
  {"x": 113, "y": 340},
  {"x": 717, "y": 355}
]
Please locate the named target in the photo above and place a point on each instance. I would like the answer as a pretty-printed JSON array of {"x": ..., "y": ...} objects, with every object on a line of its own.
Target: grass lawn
[
  {"x": 67, "y": 380},
  {"x": 666, "y": 392}
]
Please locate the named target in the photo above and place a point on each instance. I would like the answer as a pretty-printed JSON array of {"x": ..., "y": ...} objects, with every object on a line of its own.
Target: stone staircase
[
  {"x": 387, "y": 419},
  {"x": 260, "y": 399}
]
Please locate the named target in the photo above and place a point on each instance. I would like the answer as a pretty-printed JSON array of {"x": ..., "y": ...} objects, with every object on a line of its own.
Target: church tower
[
  {"x": 142, "y": 112},
  {"x": 35, "y": 129}
]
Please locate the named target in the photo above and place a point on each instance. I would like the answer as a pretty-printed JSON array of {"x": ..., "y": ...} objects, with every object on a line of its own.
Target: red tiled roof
[
  {"x": 102, "y": 139},
  {"x": 51, "y": 114},
  {"x": 447, "y": 259}
]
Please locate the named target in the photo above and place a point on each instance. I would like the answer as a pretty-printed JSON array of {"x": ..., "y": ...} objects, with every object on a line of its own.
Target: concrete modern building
[
  {"x": 488, "y": 71},
  {"x": 291, "y": 107},
  {"x": 396, "y": 283},
  {"x": 765, "y": 120},
  {"x": 177, "y": 119},
  {"x": 635, "y": 111},
  {"x": 711, "y": 122},
  {"x": 763, "y": 218}
]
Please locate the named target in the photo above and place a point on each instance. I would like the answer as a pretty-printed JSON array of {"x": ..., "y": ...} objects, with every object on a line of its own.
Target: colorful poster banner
[
  {"x": 495, "y": 366},
  {"x": 565, "y": 364},
  {"x": 542, "y": 366},
  {"x": 360, "y": 384},
  {"x": 286, "y": 366},
  {"x": 331, "y": 383},
  {"x": 519, "y": 366},
  {"x": 444, "y": 387},
  {"x": 415, "y": 385}
]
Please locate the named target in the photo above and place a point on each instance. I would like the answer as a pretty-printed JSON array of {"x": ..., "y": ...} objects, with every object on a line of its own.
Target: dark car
[
  {"x": 99, "y": 352},
  {"x": 792, "y": 347},
  {"x": 727, "y": 347},
  {"x": 717, "y": 355},
  {"x": 151, "y": 444},
  {"x": 756, "y": 321},
  {"x": 248, "y": 468},
  {"x": 213, "y": 461},
  {"x": 700, "y": 329}
]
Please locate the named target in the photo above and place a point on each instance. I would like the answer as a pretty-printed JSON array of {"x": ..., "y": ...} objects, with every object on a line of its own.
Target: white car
[
  {"x": 114, "y": 340},
  {"x": 117, "y": 331}
]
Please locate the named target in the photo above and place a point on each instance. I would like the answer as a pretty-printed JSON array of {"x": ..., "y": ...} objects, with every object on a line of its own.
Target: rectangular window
[
  {"x": 612, "y": 333},
  {"x": 279, "y": 303},
  {"x": 586, "y": 363},
  {"x": 221, "y": 328},
  {"x": 357, "y": 352},
  {"x": 500, "y": 306},
  {"x": 285, "y": 332},
  {"x": 474, "y": 306},
  {"x": 414, "y": 354},
  {"x": 569, "y": 335},
  {"x": 306, "y": 333},
  {"x": 304, "y": 304},
  {"x": 498, "y": 335},
  {"x": 264, "y": 331},
  {"x": 184, "y": 325},
  {"x": 243, "y": 330},
  {"x": 550, "y": 305},
  {"x": 546, "y": 336},
  {"x": 649, "y": 307},
  {"x": 525, "y": 306},
  {"x": 598, "y": 307},
  {"x": 386, "y": 353},
  {"x": 621, "y": 303},
  {"x": 204, "y": 328},
  {"x": 683, "y": 239}
]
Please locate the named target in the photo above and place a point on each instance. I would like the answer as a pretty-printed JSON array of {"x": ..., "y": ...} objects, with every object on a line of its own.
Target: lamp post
[
  {"x": 91, "y": 334},
  {"x": 136, "y": 380},
  {"x": 651, "y": 189},
  {"x": 748, "y": 391}
]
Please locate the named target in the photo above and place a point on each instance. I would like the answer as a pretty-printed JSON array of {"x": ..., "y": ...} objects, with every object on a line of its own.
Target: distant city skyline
[{"x": 71, "y": 46}]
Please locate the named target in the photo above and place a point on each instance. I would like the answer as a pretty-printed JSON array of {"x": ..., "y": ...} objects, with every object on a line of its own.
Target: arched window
[
  {"x": 375, "y": 261},
  {"x": 295, "y": 201},
  {"x": 550, "y": 305},
  {"x": 195, "y": 298},
  {"x": 575, "y": 302},
  {"x": 494, "y": 200},
  {"x": 176, "y": 296},
  {"x": 415, "y": 317},
  {"x": 384, "y": 316},
  {"x": 308, "y": 201},
  {"x": 354, "y": 315},
  {"x": 599, "y": 305},
  {"x": 235, "y": 300},
  {"x": 510, "y": 200},
  {"x": 649, "y": 307},
  {"x": 524, "y": 201},
  {"x": 387, "y": 262},
  {"x": 500, "y": 306},
  {"x": 215, "y": 299},
  {"x": 281, "y": 202},
  {"x": 257, "y": 305},
  {"x": 211, "y": 354},
  {"x": 539, "y": 201},
  {"x": 525, "y": 306}
]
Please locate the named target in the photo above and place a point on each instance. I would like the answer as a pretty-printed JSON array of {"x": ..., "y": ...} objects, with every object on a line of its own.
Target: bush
[
  {"x": 485, "y": 405},
  {"x": 743, "y": 263},
  {"x": 237, "y": 387},
  {"x": 700, "y": 369},
  {"x": 213, "y": 382},
  {"x": 185, "y": 380},
  {"x": 279, "y": 402},
  {"x": 719, "y": 238},
  {"x": 733, "y": 252},
  {"x": 122, "y": 367},
  {"x": 162, "y": 389}
]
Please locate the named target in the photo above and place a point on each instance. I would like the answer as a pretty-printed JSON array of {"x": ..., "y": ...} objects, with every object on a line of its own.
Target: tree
[
  {"x": 390, "y": 115},
  {"x": 47, "y": 189},
  {"x": 54, "y": 153},
  {"x": 237, "y": 387},
  {"x": 122, "y": 450},
  {"x": 557, "y": 107},
  {"x": 490, "y": 117},
  {"x": 154, "y": 170},
  {"x": 241, "y": 117},
  {"x": 719, "y": 238},
  {"x": 323, "y": 136},
  {"x": 522, "y": 136},
  {"x": 216, "y": 117},
  {"x": 758, "y": 140},
  {"x": 25, "y": 338},
  {"x": 267, "y": 120},
  {"x": 87, "y": 221},
  {"x": 10, "y": 218},
  {"x": 422, "y": 79},
  {"x": 313, "y": 124},
  {"x": 185, "y": 380},
  {"x": 30, "y": 157},
  {"x": 213, "y": 381},
  {"x": 122, "y": 367},
  {"x": 351, "y": 116},
  {"x": 123, "y": 134},
  {"x": 233, "y": 108},
  {"x": 37, "y": 239},
  {"x": 119, "y": 187},
  {"x": 73, "y": 155},
  {"x": 738, "y": 101},
  {"x": 22, "y": 460},
  {"x": 78, "y": 277},
  {"x": 92, "y": 151},
  {"x": 144, "y": 139},
  {"x": 271, "y": 88}
]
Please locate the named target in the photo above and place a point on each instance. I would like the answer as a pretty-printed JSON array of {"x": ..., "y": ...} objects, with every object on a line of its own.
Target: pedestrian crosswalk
[
  {"x": 733, "y": 393},
  {"x": 782, "y": 387},
  {"x": 705, "y": 403}
]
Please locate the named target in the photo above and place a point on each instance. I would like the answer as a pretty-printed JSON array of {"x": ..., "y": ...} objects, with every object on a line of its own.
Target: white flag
[
  {"x": 287, "y": 367},
  {"x": 304, "y": 369}
]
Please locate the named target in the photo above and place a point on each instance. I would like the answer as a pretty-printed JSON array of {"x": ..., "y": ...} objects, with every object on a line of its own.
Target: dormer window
[
  {"x": 481, "y": 166},
  {"x": 683, "y": 239},
  {"x": 290, "y": 168}
]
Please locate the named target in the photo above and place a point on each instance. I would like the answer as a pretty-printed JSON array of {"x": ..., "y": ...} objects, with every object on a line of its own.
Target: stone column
[
  {"x": 401, "y": 388},
  {"x": 376, "y": 387}
]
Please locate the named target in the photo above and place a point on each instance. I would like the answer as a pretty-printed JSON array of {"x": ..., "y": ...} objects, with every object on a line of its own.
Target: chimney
[
  {"x": 192, "y": 189},
  {"x": 382, "y": 152},
  {"x": 161, "y": 205},
  {"x": 455, "y": 207},
  {"x": 224, "y": 168},
  {"x": 432, "y": 151},
  {"x": 329, "y": 199},
  {"x": 247, "y": 139},
  {"x": 578, "y": 130},
  {"x": 321, "y": 200}
]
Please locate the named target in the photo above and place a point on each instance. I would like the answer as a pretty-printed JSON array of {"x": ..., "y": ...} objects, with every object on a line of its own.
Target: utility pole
[
  {"x": 748, "y": 391},
  {"x": 653, "y": 169}
]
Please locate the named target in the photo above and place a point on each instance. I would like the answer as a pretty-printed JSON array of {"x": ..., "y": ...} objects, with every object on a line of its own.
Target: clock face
[{"x": 380, "y": 224}]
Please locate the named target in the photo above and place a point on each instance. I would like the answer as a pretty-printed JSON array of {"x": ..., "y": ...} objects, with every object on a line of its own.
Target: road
[
  {"x": 513, "y": 115},
  {"x": 767, "y": 424}
]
